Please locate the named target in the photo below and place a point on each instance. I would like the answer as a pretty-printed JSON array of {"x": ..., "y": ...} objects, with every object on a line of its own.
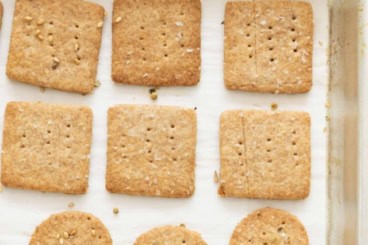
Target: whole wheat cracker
[
  {"x": 55, "y": 44},
  {"x": 173, "y": 235},
  {"x": 151, "y": 150},
  {"x": 265, "y": 154},
  {"x": 46, "y": 147},
  {"x": 269, "y": 46},
  {"x": 72, "y": 227},
  {"x": 156, "y": 42},
  {"x": 270, "y": 226}
]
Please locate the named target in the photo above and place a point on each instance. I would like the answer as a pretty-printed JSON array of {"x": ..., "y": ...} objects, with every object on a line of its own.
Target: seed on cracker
[
  {"x": 274, "y": 106},
  {"x": 118, "y": 19},
  {"x": 100, "y": 24}
]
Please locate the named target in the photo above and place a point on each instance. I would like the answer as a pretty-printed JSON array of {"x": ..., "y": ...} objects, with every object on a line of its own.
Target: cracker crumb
[
  {"x": 195, "y": 108},
  {"x": 105, "y": 14},
  {"x": 97, "y": 84},
  {"x": 215, "y": 177},
  {"x": 71, "y": 205},
  {"x": 274, "y": 106},
  {"x": 223, "y": 22},
  {"x": 42, "y": 89},
  {"x": 118, "y": 19},
  {"x": 100, "y": 24},
  {"x": 115, "y": 210},
  {"x": 327, "y": 104},
  {"x": 327, "y": 118},
  {"x": 153, "y": 94},
  {"x": 182, "y": 225}
]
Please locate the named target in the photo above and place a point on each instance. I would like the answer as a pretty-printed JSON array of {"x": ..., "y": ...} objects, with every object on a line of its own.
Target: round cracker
[
  {"x": 71, "y": 227},
  {"x": 269, "y": 226},
  {"x": 173, "y": 235}
]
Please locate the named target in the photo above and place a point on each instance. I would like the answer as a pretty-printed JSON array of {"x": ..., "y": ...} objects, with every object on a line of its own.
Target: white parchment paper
[{"x": 214, "y": 217}]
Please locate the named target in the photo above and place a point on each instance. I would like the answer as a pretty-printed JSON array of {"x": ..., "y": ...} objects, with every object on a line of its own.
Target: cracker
[
  {"x": 270, "y": 226},
  {"x": 55, "y": 44},
  {"x": 71, "y": 227},
  {"x": 269, "y": 46},
  {"x": 46, "y": 147},
  {"x": 173, "y": 235},
  {"x": 151, "y": 150},
  {"x": 265, "y": 154},
  {"x": 156, "y": 42}
]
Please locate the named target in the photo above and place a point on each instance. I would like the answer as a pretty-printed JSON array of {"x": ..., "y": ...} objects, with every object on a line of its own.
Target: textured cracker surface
[
  {"x": 66, "y": 25},
  {"x": 81, "y": 229},
  {"x": 269, "y": 46},
  {"x": 157, "y": 42},
  {"x": 173, "y": 235},
  {"x": 151, "y": 150},
  {"x": 46, "y": 147},
  {"x": 270, "y": 226},
  {"x": 265, "y": 154}
]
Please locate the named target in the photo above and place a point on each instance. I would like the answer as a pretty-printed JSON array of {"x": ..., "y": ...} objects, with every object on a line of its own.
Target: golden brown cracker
[
  {"x": 271, "y": 53},
  {"x": 151, "y": 150},
  {"x": 156, "y": 42},
  {"x": 173, "y": 235},
  {"x": 46, "y": 147},
  {"x": 55, "y": 44},
  {"x": 265, "y": 154},
  {"x": 69, "y": 228},
  {"x": 270, "y": 226}
]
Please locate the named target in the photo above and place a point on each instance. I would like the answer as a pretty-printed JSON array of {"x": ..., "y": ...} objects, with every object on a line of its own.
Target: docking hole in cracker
[
  {"x": 55, "y": 44},
  {"x": 46, "y": 147},
  {"x": 268, "y": 226},
  {"x": 265, "y": 154},
  {"x": 156, "y": 42},
  {"x": 151, "y": 150},
  {"x": 269, "y": 46}
]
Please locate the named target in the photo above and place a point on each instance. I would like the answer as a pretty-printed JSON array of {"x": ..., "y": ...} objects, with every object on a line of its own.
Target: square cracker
[
  {"x": 269, "y": 46},
  {"x": 151, "y": 150},
  {"x": 265, "y": 154},
  {"x": 46, "y": 147},
  {"x": 156, "y": 42},
  {"x": 55, "y": 44}
]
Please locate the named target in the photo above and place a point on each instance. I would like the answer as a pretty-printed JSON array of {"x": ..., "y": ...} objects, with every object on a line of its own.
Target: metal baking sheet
[{"x": 214, "y": 217}]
